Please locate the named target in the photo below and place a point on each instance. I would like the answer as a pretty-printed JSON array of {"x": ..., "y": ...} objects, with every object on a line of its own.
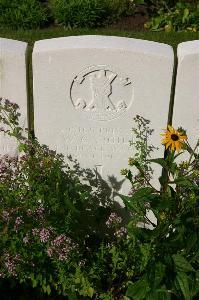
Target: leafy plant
[
  {"x": 60, "y": 234},
  {"x": 24, "y": 14},
  {"x": 88, "y": 13},
  {"x": 57, "y": 234},
  {"x": 170, "y": 254},
  {"x": 182, "y": 16}
]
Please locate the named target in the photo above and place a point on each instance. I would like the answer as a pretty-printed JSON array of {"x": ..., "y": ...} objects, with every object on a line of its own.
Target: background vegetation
[{"x": 168, "y": 15}]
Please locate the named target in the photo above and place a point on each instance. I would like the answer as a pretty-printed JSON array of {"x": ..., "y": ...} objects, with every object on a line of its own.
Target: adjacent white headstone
[
  {"x": 88, "y": 89},
  {"x": 186, "y": 105},
  {"x": 13, "y": 85}
]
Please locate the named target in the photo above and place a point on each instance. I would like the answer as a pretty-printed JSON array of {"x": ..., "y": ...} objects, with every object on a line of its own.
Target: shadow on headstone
[{"x": 102, "y": 201}]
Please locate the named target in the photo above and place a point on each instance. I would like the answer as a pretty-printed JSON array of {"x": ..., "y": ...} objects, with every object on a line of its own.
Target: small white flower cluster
[
  {"x": 44, "y": 235},
  {"x": 11, "y": 263},
  {"x": 18, "y": 222},
  {"x": 61, "y": 247},
  {"x": 113, "y": 220},
  {"x": 121, "y": 232}
]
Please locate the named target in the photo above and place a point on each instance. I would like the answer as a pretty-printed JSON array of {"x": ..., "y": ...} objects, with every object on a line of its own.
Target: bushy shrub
[
  {"x": 24, "y": 14},
  {"x": 88, "y": 13},
  {"x": 65, "y": 236},
  {"x": 56, "y": 232}
]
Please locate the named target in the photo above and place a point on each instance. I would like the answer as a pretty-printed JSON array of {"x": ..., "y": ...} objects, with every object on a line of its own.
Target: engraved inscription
[
  {"x": 94, "y": 143},
  {"x": 101, "y": 93}
]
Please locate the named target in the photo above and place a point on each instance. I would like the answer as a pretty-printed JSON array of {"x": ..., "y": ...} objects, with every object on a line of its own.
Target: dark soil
[{"x": 135, "y": 22}]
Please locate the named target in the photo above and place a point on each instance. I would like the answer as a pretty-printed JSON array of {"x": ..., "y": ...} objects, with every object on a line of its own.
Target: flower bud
[
  {"x": 124, "y": 172},
  {"x": 131, "y": 161}
]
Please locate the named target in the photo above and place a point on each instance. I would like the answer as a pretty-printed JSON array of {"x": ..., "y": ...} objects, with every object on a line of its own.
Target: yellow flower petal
[
  {"x": 168, "y": 144},
  {"x": 178, "y": 147},
  {"x": 173, "y": 139}
]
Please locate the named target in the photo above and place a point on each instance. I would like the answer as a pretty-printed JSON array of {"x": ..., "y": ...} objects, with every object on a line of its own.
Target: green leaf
[
  {"x": 182, "y": 264},
  {"x": 129, "y": 204},
  {"x": 183, "y": 283},
  {"x": 48, "y": 289},
  {"x": 183, "y": 182},
  {"x": 159, "y": 161},
  {"x": 22, "y": 147},
  {"x": 159, "y": 273},
  {"x": 34, "y": 281},
  {"x": 155, "y": 201},
  {"x": 70, "y": 205},
  {"x": 138, "y": 290},
  {"x": 143, "y": 192},
  {"x": 138, "y": 197},
  {"x": 185, "y": 15},
  {"x": 90, "y": 292}
]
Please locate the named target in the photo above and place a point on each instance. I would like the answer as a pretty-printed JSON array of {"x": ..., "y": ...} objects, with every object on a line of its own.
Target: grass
[{"x": 30, "y": 36}]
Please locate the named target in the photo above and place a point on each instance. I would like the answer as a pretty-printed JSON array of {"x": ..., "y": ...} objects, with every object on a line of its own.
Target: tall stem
[{"x": 165, "y": 174}]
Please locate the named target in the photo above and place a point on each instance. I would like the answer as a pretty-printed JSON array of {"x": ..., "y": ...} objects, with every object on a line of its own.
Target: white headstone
[
  {"x": 88, "y": 89},
  {"x": 186, "y": 105},
  {"x": 13, "y": 85}
]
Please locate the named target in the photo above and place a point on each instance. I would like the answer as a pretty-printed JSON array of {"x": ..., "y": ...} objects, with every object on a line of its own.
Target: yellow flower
[{"x": 173, "y": 139}]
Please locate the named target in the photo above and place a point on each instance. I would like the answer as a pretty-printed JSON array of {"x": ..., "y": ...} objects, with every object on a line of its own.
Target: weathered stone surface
[
  {"x": 186, "y": 106},
  {"x": 88, "y": 89},
  {"x": 13, "y": 85}
]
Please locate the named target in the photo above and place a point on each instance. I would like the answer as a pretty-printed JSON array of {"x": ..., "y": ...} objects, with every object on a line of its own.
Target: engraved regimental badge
[{"x": 101, "y": 93}]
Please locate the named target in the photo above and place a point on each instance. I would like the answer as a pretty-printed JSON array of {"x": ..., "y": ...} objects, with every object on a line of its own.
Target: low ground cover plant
[
  {"x": 62, "y": 234},
  {"x": 25, "y": 14},
  {"x": 181, "y": 16}
]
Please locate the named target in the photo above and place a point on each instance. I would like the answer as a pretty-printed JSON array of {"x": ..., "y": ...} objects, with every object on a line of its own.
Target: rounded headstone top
[
  {"x": 104, "y": 42},
  {"x": 188, "y": 48},
  {"x": 12, "y": 46}
]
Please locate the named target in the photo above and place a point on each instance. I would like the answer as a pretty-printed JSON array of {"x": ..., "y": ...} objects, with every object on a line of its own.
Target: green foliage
[
  {"x": 61, "y": 234},
  {"x": 169, "y": 249},
  {"x": 89, "y": 13},
  {"x": 57, "y": 234},
  {"x": 182, "y": 16},
  {"x": 28, "y": 14},
  {"x": 24, "y": 14}
]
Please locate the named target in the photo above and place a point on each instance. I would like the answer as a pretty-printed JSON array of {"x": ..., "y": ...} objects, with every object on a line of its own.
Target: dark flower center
[{"x": 174, "y": 137}]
